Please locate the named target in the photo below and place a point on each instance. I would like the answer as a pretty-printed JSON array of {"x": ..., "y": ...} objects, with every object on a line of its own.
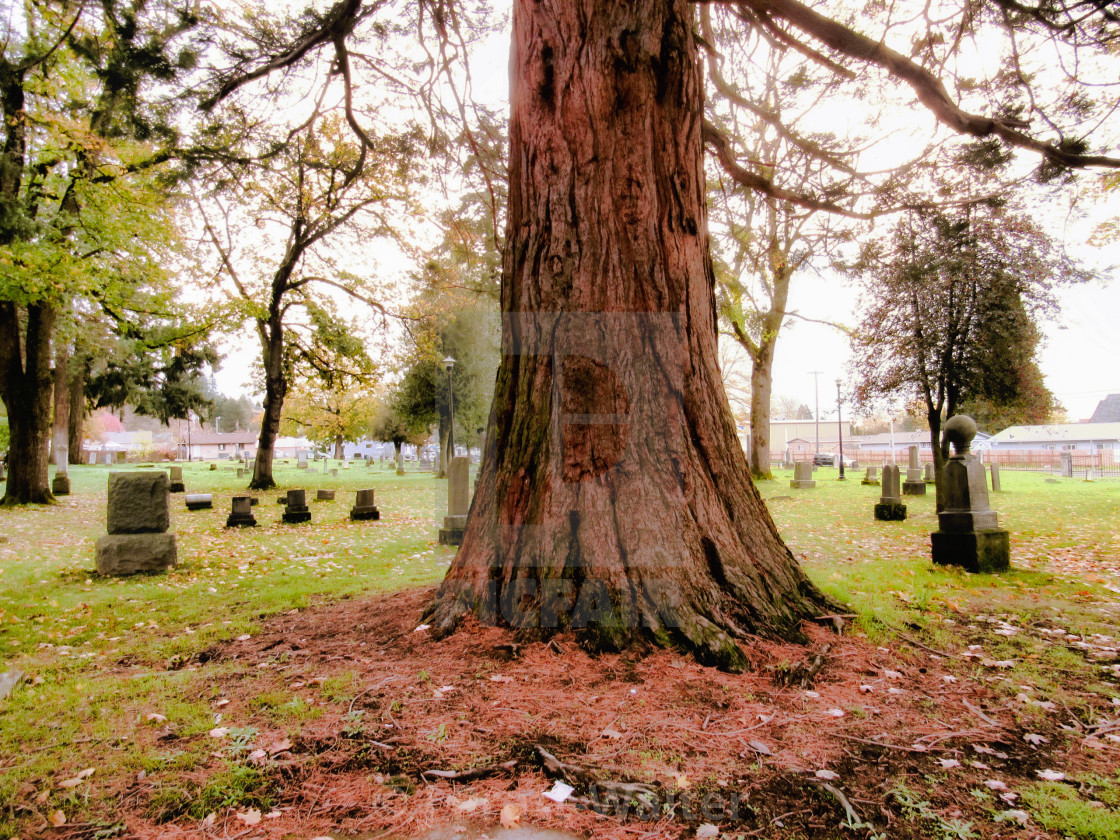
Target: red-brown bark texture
[{"x": 614, "y": 497}]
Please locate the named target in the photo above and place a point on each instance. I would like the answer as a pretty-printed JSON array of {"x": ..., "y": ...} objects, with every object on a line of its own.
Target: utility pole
[{"x": 816, "y": 411}]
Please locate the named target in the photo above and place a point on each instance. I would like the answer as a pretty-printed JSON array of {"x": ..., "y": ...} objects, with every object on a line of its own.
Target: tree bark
[
  {"x": 614, "y": 498},
  {"x": 60, "y": 439},
  {"x": 275, "y": 389},
  {"x": 339, "y": 454},
  {"x": 26, "y": 387}
]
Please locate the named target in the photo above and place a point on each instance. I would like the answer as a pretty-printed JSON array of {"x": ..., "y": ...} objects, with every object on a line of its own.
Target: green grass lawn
[{"x": 96, "y": 651}]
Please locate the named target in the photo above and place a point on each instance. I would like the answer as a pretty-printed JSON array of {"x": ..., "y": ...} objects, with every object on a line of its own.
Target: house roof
[
  {"x": 1108, "y": 410},
  {"x": 1059, "y": 433}
]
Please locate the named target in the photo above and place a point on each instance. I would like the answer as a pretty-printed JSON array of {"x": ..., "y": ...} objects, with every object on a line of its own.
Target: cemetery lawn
[{"x": 274, "y": 683}]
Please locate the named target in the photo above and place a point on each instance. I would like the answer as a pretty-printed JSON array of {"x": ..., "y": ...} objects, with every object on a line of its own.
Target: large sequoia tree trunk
[
  {"x": 614, "y": 497},
  {"x": 26, "y": 387}
]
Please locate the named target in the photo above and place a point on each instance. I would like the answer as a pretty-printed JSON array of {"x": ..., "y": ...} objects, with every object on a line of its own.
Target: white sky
[{"x": 1080, "y": 359}]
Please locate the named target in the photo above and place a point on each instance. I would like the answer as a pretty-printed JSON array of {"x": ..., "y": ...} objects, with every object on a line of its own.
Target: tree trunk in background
[
  {"x": 339, "y": 454},
  {"x": 275, "y": 389},
  {"x": 77, "y": 411},
  {"x": 60, "y": 439},
  {"x": 762, "y": 381},
  {"x": 614, "y": 497},
  {"x": 26, "y": 387}
]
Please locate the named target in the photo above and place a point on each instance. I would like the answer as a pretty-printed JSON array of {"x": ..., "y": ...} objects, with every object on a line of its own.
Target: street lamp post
[
  {"x": 840, "y": 429},
  {"x": 450, "y": 363}
]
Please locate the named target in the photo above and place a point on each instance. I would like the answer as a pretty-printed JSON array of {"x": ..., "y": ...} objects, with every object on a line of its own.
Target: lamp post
[
  {"x": 450, "y": 363},
  {"x": 840, "y": 429}
]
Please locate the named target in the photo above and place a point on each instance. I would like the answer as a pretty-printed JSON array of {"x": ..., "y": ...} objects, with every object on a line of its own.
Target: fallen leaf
[
  {"x": 280, "y": 747},
  {"x": 244, "y": 638},
  {"x": 995, "y": 784},
  {"x": 250, "y": 817},
  {"x": 469, "y": 806},
  {"x": 273, "y": 815},
  {"x": 827, "y": 775},
  {"x": 219, "y": 732},
  {"x": 836, "y": 713},
  {"x": 154, "y": 717},
  {"x": 948, "y": 763},
  {"x": 760, "y": 747},
  {"x": 1051, "y": 775},
  {"x": 682, "y": 781},
  {"x": 867, "y": 689},
  {"x": 209, "y": 820},
  {"x": 892, "y": 675},
  {"x": 57, "y": 819},
  {"x": 223, "y": 702},
  {"x": 510, "y": 816},
  {"x": 612, "y": 733},
  {"x": 1021, "y": 817},
  {"x": 1032, "y": 738},
  {"x": 498, "y": 678},
  {"x": 77, "y": 780},
  {"x": 706, "y": 831}
]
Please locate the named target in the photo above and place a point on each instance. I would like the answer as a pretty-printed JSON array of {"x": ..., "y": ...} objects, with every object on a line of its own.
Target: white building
[{"x": 1084, "y": 437}]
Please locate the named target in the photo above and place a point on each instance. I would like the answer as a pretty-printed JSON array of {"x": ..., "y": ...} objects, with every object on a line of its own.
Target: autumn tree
[
  {"x": 951, "y": 305},
  {"x": 280, "y": 221},
  {"x": 332, "y": 409},
  {"x": 86, "y": 122},
  {"x": 613, "y": 497}
]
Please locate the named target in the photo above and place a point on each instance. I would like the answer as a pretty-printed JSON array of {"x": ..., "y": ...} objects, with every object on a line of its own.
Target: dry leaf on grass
[
  {"x": 57, "y": 819},
  {"x": 250, "y": 817},
  {"x": 77, "y": 780}
]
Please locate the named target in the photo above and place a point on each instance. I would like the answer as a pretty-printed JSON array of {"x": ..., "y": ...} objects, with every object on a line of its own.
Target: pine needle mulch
[{"x": 898, "y": 740}]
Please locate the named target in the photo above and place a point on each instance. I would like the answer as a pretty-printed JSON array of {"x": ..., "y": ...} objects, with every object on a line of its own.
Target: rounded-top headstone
[{"x": 959, "y": 430}]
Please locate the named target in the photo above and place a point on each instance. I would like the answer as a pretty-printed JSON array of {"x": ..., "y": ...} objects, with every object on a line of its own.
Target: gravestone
[
  {"x": 301, "y": 460},
  {"x": 295, "y": 509},
  {"x": 803, "y": 476},
  {"x": 108, "y": 459},
  {"x": 137, "y": 517},
  {"x": 871, "y": 477},
  {"x": 930, "y": 474},
  {"x": 241, "y": 515},
  {"x": 458, "y": 501},
  {"x": 890, "y": 507},
  {"x": 177, "y": 485},
  {"x": 995, "y": 479},
  {"x": 3, "y": 474},
  {"x": 364, "y": 508},
  {"x": 345, "y": 465},
  {"x": 240, "y": 472},
  {"x": 92, "y": 460},
  {"x": 61, "y": 484},
  {"x": 199, "y": 501},
  {"x": 968, "y": 532},
  {"x": 213, "y": 466},
  {"x": 1067, "y": 465},
  {"x": 400, "y": 463},
  {"x": 324, "y": 495},
  {"x": 334, "y": 473},
  {"x": 914, "y": 484}
]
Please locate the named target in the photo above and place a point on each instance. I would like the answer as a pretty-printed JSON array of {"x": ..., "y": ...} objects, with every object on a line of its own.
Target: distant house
[
  {"x": 1084, "y": 437},
  {"x": 290, "y": 447},
  {"x": 205, "y": 446},
  {"x": 1108, "y": 410}
]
